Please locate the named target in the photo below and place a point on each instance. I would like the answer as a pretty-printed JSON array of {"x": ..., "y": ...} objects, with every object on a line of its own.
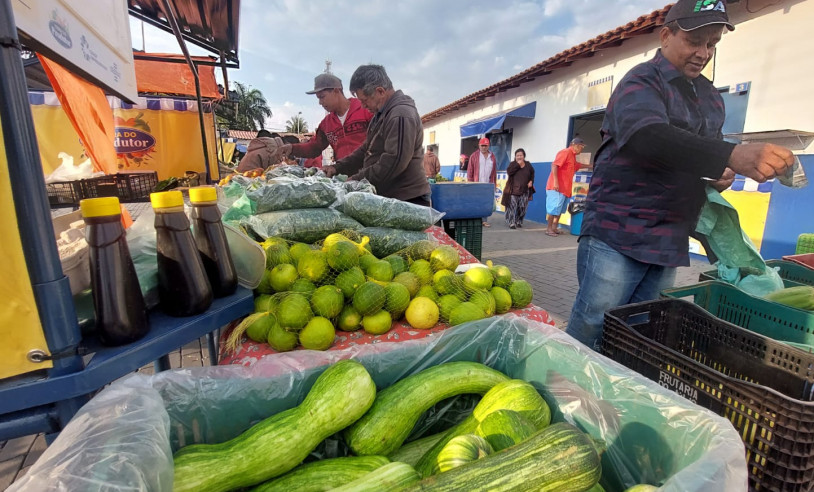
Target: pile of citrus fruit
[{"x": 310, "y": 291}]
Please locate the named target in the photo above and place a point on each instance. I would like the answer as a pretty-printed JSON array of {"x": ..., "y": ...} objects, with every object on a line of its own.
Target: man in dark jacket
[{"x": 392, "y": 155}]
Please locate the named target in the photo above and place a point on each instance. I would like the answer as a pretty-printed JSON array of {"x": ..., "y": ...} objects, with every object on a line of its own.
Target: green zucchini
[
  {"x": 505, "y": 428},
  {"x": 514, "y": 394},
  {"x": 411, "y": 452},
  {"x": 322, "y": 475},
  {"x": 339, "y": 396},
  {"x": 386, "y": 478},
  {"x": 558, "y": 458},
  {"x": 461, "y": 450},
  {"x": 383, "y": 429}
]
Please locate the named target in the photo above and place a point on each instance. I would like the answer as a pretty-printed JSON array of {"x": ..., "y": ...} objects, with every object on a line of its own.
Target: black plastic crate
[
  {"x": 136, "y": 186},
  {"x": 63, "y": 193},
  {"x": 763, "y": 387},
  {"x": 468, "y": 233},
  {"x": 101, "y": 186}
]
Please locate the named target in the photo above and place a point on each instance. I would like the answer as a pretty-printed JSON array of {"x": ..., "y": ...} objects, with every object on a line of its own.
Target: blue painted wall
[
  {"x": 448, "y": 171},
  {"x": 791, "y": 213}
]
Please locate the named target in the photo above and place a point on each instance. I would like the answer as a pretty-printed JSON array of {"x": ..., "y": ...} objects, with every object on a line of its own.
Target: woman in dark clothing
[
  {"x": 519, "y": 189},
  {"x": 463, "y": 162}
]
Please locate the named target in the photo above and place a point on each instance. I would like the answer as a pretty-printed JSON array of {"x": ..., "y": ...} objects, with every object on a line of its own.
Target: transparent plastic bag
[
  {"x": 378, "y": 211},
  {"x": 304, "y": 225},
  {"x": 123, "y": 438},
  {"x": 141, "y": 242},
  {"x": 385, "y": 241},
  {"x": 795, "y": 177},
  {"x": 288, "y": 194}
]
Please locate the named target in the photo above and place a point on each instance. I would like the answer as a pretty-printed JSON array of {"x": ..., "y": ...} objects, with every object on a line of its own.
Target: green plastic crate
[
  {"x": 727, "y": 302},
  {"x": 793, "y": 274},
  {"x": 805, "y": 244},
  {"x": 468, "y": 233}
]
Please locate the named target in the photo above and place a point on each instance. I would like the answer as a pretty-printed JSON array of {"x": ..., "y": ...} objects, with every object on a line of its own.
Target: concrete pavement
[{"x": 549, "y": 263}]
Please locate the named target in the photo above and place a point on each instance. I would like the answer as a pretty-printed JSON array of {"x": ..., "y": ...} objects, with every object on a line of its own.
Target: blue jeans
[{"x": 608, "y": 279}]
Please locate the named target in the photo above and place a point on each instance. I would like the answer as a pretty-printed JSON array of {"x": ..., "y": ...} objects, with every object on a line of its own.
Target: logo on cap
[{"x": 707, "y": 5}]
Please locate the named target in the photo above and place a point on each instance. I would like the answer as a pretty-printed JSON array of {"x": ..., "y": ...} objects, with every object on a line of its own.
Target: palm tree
[
  {"x": 252, "y": 109},
  {"x": 296, "y": 124}
]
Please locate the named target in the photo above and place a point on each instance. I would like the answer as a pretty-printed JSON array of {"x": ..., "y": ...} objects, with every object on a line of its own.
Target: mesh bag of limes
[{"x": 309, "y": 291}]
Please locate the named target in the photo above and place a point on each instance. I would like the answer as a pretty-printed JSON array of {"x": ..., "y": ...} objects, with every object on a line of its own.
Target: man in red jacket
[
  {"x": 345, "y": 126},
  {"x": 482, "y": 167}
]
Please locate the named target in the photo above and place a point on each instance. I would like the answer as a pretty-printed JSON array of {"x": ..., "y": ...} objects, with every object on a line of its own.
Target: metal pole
[
  {"x": 51, "y": 288},
  {"x": 170, "y": 13}
]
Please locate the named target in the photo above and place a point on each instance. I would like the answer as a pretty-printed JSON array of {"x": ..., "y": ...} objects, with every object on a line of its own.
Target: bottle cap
[
  {"x": 167, "y": 199},
  {"x": 100, "y": 207},
  {"x": 203, "y": 194}
]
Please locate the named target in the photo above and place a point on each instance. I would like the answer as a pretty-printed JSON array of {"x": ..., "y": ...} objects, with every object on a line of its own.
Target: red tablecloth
[{"x": 249, "y": 351}]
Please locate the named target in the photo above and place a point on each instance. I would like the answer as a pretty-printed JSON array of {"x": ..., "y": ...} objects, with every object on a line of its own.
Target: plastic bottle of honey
[
  {"x": 183, "y": 287},
  {"x": 210, "y": 237},
  {"x": 121, "y": 315}
]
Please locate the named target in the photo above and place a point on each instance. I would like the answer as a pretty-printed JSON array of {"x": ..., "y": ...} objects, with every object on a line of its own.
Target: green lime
[
  {"x": 478, "y": 278},
  {"x": 377, "y": 323},
  {"x": 397, "y": 263},
  {"x": 445, "y": 258},
  {"x": 258, "y": 330},
  {"x": 464, "y": 312},
  {"x": 521, "y": 293},
  {"x": 398, "y": 298},
  {"x": 265, "y": 284},
  {"x": 318, "y": 334},
  {"x": 327, "y": 301},
  {"x": 313, "y": 265},
  {"x": 349, "y": 319},
  {"x": 409, "y": 280},
  {"x": 277, "y": 254},
  {"x": 446, "y": 304},
  {"x": 303, "y": 286},
  {"x": 366, "y": 260},
  {"x": 484, "y": 300},
  {"x": 502, "y": 276},
  {"x": 343, "y": 255},
  {"x": 380, "y": 270},
  {"x": 350, "y": 280},
  {"x": 369, "y": 298},
  {"x": 281, "y": 339},
  {"x": 297, "y": 250},
  {"x": 445, "y": 282},
  {"x": 282, "y": 277},
  {"x": 422, "y": 313},
  {"x": 503, "y": 300},
  {"x": 423, "y": 270},
  {"x": 294, "y": 311},
  {"x": 427, "y": 291},
  {"x": 265, "y": 303},
  {"x": 421, "y": 250}
]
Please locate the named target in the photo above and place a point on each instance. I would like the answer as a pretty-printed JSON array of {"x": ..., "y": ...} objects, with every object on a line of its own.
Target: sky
[{"x": 436, "y": 51}]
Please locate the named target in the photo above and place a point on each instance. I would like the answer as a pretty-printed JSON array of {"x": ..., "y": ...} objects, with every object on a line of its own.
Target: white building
[{"x": 764, "y": 70}]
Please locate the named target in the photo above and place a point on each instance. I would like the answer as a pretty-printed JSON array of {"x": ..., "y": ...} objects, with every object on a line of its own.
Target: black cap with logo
[{"x": 692, "y": 14}]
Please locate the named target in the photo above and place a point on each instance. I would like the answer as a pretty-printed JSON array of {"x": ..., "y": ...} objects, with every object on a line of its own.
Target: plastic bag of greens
[
  {"x": 385, "y": 241},
  {"x": 303, "y": 225},
  {"x": 286, "y": 171},
  {"x": 363, "y": 186},
  {"x": 378, "y": 211},
  {"x": 289, "y": 194}
]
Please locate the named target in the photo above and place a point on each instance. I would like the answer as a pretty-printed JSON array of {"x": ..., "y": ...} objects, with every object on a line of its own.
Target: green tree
[
  {"x": 296, "y": 124},
  {"x": 248, "y": 112}
]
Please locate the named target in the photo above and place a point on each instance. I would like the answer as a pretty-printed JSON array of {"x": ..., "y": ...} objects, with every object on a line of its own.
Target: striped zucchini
[
  {"x": 319, "y": 476},
  {"x": 386, "y": 478},
  {"x": 411, "y": 452},
  {"x": 515, "y": 394},
  {"x": 397, "y": 408},
  {"x": 461, "y": 450},
  {"x": 339, "y": 396},
  {"x": 505, "y": 428},
  {"x": 559, "y": 458}
]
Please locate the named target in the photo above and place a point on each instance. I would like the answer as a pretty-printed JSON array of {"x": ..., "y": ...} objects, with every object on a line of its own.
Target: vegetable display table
[{"x": 249, "y": 351}]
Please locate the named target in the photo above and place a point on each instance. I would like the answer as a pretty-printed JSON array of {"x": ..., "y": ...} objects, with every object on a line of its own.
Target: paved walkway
[{"x": 548, "y": 263}]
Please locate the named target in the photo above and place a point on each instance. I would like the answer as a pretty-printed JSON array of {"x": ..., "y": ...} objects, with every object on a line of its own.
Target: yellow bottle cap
[
  {"x": 100, "y": 207},
  {"x": 167, "y": 199},
  {"x": 203, "y": 194}
]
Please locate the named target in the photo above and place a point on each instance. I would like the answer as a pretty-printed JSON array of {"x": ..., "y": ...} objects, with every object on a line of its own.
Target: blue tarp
[{"x": 481, "y": 126}]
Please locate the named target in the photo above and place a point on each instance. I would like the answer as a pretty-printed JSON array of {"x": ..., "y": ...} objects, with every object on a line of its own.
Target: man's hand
[
  {"x": 760, "y": 161},
  {"x": 285, "y": 149},
  {"x": 329, "y": 171},
  {"x": 725, "y": 181}
]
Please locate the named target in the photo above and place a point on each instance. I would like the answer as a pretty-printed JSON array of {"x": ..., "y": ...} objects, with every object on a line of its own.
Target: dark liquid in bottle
[
  {"x": 183, "y": 287},
  {"x": 211, "y": 240},
  {"x": 121, "y": 315}
]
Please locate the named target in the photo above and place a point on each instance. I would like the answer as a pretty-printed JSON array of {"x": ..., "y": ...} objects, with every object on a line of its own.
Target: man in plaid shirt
[{"x": 661, "y": 145}]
